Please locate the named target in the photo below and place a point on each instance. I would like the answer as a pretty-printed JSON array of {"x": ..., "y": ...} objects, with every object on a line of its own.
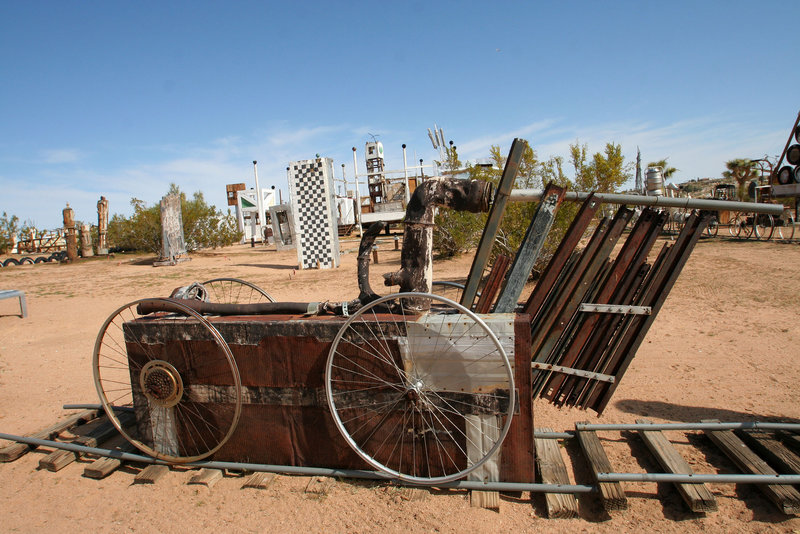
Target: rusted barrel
[
  {"x": 793, "y": 154},
  {"x": 785, "y": 175}
]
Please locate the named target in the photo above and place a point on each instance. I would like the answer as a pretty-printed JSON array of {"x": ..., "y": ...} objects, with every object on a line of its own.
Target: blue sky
[{"x": 122, "y": 98}]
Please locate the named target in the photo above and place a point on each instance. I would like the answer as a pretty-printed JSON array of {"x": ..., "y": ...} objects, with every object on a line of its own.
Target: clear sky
[{"x": 121, "y": 98}]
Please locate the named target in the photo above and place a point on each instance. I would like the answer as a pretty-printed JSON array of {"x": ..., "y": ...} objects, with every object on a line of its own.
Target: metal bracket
[
  {"x": 615, "y": 308},
  {"x": 570, "y": 371}
]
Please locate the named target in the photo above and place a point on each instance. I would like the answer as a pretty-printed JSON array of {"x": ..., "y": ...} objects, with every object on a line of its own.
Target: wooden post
[
  {"x": 69, "y": 230},
  {"x": 102, "y": 226},
  {"x": 86, "y": 241}
]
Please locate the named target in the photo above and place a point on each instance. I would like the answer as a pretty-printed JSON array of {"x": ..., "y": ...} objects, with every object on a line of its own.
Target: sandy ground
[{"x": 725, "y": 346}]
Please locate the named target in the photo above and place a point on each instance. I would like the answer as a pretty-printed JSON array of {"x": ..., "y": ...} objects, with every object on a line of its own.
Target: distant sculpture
[
  {"x": 86, "y": 241},
  {"x": 70, "y": 234},
  {"x": 173, "y": 246},
  {"x": 102, "y": 226}
]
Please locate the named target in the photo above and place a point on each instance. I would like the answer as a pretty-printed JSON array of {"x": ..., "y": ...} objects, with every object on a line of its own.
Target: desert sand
[{"x": 725, "y": 346}]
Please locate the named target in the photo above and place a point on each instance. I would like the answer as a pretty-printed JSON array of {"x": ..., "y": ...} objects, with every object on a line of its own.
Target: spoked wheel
[
  {"x": 712, "y": 229},
  {"x": 174, "y": 370},
  {"x": 235, "y": 291},
  {"x": 735, "y": 225},
  {"x": 420, "y": 387},
  {"x": 785, "y": 226},
  {"x": 763, "y": 226}
]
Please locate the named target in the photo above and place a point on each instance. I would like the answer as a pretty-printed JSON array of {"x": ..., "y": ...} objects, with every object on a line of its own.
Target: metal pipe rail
[
  {"x": 698, "y": 478},
  {"x": 305, "y": 471},
  {"x": 534, "y": 195},
  {"x": 753, "y": 425}
]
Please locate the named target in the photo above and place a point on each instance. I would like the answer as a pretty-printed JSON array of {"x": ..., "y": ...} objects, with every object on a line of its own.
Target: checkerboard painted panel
[{"x": 314, "y": 213}]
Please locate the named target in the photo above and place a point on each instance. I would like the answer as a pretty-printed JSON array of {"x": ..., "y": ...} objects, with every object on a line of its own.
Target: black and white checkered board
[{"x": 311, "y": 186}]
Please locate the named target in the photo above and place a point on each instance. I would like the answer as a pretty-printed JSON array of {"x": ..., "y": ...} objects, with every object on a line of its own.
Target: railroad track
[{"x": 765, "y": 454}]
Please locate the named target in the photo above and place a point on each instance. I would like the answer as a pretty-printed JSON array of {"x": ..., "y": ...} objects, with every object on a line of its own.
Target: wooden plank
[
  {"x": 611, "y": 493},
  {"x": 697, "y": 496},
  {"x": 259, "y": 480},
  {"x": 785, "y": 497},
  {"x": 552, "y": 470},
  {"x": 493, "y": 220},
  {"x": 206, "y": 477},
  {"x": 482, "y": 432},
  {"x": 484, "y": 499},
  {"x": 104, "y": 431},
  {"x": 493, "y": 282},
  {"x": 151, "y": 474},
  {"x": 530, "y": 248},
  {"x": 102, "y": 467},
  {"x": 15, "y": 450},
  {"x": 767, "y": 445},
  {"x": 414, "y": 494}
]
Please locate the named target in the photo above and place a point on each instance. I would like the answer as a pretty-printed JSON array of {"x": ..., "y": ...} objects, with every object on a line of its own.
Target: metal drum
[
  {"x": 793, "y": 155},
  {"x": 655, "y": 181},
  {"x": 785, "y": 175}
]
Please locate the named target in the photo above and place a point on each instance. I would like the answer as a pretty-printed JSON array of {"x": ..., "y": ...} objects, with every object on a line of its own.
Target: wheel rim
[
  {"x": 176, "y": 373},
  {"x": 235, "y": 291},
  {"x": 394, "y": 397}
]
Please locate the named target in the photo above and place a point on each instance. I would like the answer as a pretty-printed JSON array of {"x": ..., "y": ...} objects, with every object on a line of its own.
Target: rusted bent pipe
[
  {"x": 214, "y": 308},
  {"x": 416, "y": 263},
  {"x": 366, "y": 294}
]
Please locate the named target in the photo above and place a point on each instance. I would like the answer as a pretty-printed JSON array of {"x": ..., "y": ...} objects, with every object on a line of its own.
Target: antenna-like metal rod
[{"x": 534, "y": 195}]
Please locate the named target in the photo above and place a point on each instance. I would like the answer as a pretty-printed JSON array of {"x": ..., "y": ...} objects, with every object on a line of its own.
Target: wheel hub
[{"x": 161, "y": 383}]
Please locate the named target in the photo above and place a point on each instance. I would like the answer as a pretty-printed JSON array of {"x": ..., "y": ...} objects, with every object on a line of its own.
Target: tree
[
  {"x": 741, "y": 171},
  {"x": 604, "y": 173},
  {"x": 9, "y": 225},
  {"x": 203, "y": 225}
]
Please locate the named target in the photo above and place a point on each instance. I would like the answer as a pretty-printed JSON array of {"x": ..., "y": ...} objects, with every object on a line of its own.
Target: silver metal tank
[{"x": 655, "y": 181}]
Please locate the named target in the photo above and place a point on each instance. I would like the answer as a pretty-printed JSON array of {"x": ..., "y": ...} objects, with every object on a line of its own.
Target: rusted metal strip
[
  {"x": 493, "y": 282},
  {"x": 529, "y": 251},
  {"x": 619, "y": 287},
  {"x": 606, "y": 288},
  {"x": 493, "y": 222},
  {"x": 556, "y": 265},
  {"x": 681, "y": 251}
]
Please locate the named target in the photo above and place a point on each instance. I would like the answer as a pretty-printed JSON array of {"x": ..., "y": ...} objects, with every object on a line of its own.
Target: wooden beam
[
  {"x": 15, "y": 450},
  {"x": 102, "y": 467},
  {"x": 697, "y": 496},
  {"x": 767, "y": 445},
  {"x": 259, "y": 480},
  {"x": 151, "y": 474},
  {"x": 206, "y": 477},
  {"x": 530, "y": 248},
  {"x": 786, "y": 498},
  {"x": 486, "y": 243},
  {"x": 101, "y": 433},
  {"x": 611, "y": 493},
  {"x": 552, "y": 470}
]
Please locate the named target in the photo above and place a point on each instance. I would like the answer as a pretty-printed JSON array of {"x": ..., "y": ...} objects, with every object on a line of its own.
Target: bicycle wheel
[
  {"x": 763, "y": 226},
  {"x": 177, "y": 374},
  {"x": 420, "y": 387},
  {"x": 713, "y": 227},
  {"x": 235, "y": 291},
  {"x": 785, "y": 226},
  {"x": 735, "y": 225}
]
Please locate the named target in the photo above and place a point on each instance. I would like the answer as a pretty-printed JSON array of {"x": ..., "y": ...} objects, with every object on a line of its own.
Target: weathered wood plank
[
  {"x": 15, "y": 450},
  {"x": 259, "y": 480},
  {"x": 552, "y": 470},
  {"x": 767, "y": 445},
  {"x": 102, "y": 467},
  {"x": 484, "y": 499},
  {"x": 611, "y": 493},
  {"x": 206, "y": 477},
  {"x": 482, "y": 432},
  {"x": 96, "y": 436},
  {"x": 697, "y": 496},
  {"x": 151, "y": 474},
  {"x": 786, "y": 498}
]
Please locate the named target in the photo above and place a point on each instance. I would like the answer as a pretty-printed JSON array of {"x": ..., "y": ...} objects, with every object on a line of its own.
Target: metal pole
[
  {"x": 358, "y": 195},
  {"x": 308, "y": 471},
  {"x": 534, "y": 195},
  {"x": 260, "y": 217},
  {"x": 405, "y": 174},
  {"x": 698, "y": 478},
  {"x": 754, "y": 425}
]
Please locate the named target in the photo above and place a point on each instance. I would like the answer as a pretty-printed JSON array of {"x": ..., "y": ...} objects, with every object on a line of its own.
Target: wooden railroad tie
[
  {"x": 151, "y": 474},
  {"x": 697, "y": 496},
  {"x": 259, "y": 480},
  {"x": 16, "y": 450},
  {"x": 552, "y": 470},
  {"x": 785, "y": 497},
  {"x": 101, "y": 433},
  {"x": 206, "y": 477},
  {"x": 611, "y": 493},
  {"x": 104, "y": 466}
]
